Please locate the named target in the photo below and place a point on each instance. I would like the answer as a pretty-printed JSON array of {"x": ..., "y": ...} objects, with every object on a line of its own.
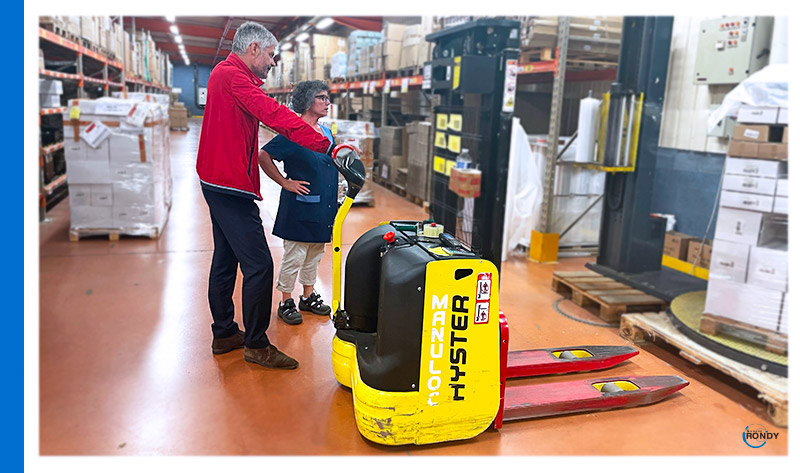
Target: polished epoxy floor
[{"x": 126, "y": 366}]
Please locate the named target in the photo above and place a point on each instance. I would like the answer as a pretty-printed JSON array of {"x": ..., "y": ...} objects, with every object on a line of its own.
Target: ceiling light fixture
[
  {"x": 173, "y": 29},
  {"x": 324, "y": 23},
  {"x": 186, "y": 61},
  {"x": 170, "y": 18},
  {"x": 178, "y": 39},
  {"x": 302, "y": 37},
  {"x": 286, "y": 46}
]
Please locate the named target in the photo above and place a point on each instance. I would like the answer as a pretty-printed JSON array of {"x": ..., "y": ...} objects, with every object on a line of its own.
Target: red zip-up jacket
[{"x": 227, "y": 157}]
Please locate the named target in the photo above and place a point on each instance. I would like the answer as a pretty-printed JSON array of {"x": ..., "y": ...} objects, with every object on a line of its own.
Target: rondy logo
[{"x": 756, "y": 435}]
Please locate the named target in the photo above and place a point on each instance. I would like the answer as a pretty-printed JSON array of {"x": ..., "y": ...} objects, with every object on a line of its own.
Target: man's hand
[{"x": 296, "y": 187}]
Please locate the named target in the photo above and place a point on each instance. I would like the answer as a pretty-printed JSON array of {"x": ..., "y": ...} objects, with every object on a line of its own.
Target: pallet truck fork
[{"x": 417, "y": 340}]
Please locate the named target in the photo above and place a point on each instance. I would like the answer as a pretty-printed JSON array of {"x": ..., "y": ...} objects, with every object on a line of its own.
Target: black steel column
[{"x": 631, "y": 241}]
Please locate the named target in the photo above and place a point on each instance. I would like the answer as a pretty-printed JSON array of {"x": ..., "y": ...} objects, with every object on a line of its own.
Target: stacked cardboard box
[
  {"x": 676, "y": 244},
  {"x": 748, "y": 270},
  {"x": 391, "y": 45},
  {"x": 699, "y": 253},
  {"x": 117, "y": 154},
  {"x": 357, "y": 42},
  {"x": 412, "y": 40},
  {"x": 420, "y": 156},
  {"x": 89, "y": 29},
  {"x": 178, "y": 116},
  {"x": 393, "y": 154},
  {"x": 323, "y": 49},
  {"x": 362, "y": 135},
  {"x": 50, "y": 93}
]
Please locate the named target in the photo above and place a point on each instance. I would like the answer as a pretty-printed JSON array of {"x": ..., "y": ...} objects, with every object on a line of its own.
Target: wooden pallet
[
  {"x": 655, "y": 326},
  {"x": 410, "y": 71},
  {"x": 76, "y": 234},
  {"x": 604, "y": 297},
  {"x": 415, "y": 199},
  {"x": 770, "y": 340},
  {"x": 536, "y": 54}
]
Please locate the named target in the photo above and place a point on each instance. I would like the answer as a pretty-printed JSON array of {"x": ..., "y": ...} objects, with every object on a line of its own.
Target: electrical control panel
[{"x": 730, "y": 49}]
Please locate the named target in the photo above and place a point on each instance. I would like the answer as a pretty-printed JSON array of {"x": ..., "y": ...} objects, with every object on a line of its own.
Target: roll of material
[
  {"x": 588, "y": 122},
  {"x": 432, "y": 230}
]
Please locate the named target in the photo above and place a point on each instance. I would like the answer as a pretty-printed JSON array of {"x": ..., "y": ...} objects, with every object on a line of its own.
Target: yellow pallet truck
[{"x": 423, "y": 345}]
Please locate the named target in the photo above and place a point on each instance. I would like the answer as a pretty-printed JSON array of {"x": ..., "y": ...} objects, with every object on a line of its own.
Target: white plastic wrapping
[
  {"x": 574, "y": 190},
  {"x": 362, "y": 135},
  {"x": 123, "y": 183},
  {"x": 588, "y": 124},
  {"x": 523, "y": 191},
  {"x": 768, "y": 87}
]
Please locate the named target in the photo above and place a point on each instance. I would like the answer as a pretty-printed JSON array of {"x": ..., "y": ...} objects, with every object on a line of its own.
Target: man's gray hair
[
  {"x": 304, "y": 94},
  {"x": 249, "y": 33}
]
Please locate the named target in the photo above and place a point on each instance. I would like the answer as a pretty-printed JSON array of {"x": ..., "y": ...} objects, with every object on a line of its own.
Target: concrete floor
[{"x": 126, "y": 366}]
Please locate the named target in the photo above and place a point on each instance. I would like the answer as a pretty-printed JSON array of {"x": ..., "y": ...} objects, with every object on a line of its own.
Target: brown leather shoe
[
  {"x": 270, "y": 357},
  {"x": 224, "y": 345}
]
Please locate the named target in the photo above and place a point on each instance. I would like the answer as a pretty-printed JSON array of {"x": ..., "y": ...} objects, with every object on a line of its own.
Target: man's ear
[{"x": 254, "y": 48}]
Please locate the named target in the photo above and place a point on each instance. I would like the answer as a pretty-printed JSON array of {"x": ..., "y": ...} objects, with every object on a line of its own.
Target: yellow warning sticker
[
  {"x": 74, "y": 113},
  {"x": 441, "y": 140},
  {"x": 441, "y": 121},
  {"x": 455, "y": 122},
  {"x": 448, "y": 166},
  {"x": 333, "y": 128},
  {"x": 454, "y": 143},
  {"x": 439, "y": 164},
  {"x": 456, "y": 72}
]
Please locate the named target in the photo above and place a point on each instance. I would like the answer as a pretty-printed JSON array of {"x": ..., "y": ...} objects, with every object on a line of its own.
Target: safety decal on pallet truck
[{"x": 483, "y": 298}]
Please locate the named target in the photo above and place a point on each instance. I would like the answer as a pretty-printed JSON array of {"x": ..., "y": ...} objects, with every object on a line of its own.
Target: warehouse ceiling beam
[
  {"x": 367, "y": 23},
  {"x": 224, "y": 33},
  {"x": 189, "y": 29}
]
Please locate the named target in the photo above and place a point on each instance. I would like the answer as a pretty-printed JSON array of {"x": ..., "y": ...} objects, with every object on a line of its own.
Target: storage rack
[{"x": 85, "y": 73}]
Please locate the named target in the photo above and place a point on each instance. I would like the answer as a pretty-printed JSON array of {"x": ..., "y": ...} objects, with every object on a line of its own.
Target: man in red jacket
[{"x": 227, "y": 164}]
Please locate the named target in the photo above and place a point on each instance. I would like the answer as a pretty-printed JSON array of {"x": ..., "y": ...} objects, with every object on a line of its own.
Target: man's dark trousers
[{"x": 239, "y": 240}]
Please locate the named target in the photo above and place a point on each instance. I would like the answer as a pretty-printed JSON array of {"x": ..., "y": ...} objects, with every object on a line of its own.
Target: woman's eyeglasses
[{"x": 324, "y": 98}]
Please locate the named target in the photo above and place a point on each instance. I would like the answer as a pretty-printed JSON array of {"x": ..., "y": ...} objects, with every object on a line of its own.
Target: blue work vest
[{"x": 307, "y": 218}]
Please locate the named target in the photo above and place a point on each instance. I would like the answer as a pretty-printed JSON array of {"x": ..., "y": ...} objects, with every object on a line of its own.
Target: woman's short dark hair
[{"x": 304, "y": 93}]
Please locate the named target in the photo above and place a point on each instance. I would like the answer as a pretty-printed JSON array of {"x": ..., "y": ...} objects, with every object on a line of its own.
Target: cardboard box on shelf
[
  {"x": 393, "y": 31},
  {"x": 699, "y": 253},
  {"x": 729, "y": 261},
  {"x": 785, "y": 138},
  {"x": 752, "y": 114},
  {"x": 757, "y": 133},
  {"x": 676, "y": 244}
]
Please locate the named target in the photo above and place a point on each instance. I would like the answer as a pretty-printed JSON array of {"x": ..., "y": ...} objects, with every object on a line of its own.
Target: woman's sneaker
[
  {"x": 315, "y": 304},
  {"x": 288, "y": 312}
]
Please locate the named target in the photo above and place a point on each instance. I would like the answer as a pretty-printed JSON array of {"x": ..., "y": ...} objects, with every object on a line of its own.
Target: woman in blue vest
[{"x": 308, "y": 203}]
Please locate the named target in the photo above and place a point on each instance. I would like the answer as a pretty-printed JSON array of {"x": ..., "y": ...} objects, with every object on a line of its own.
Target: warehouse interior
[{"x": 621, "y": 183}]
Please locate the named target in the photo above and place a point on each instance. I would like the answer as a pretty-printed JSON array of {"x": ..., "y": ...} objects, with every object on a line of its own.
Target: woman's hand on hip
[{"x": 297, "y": 187}]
